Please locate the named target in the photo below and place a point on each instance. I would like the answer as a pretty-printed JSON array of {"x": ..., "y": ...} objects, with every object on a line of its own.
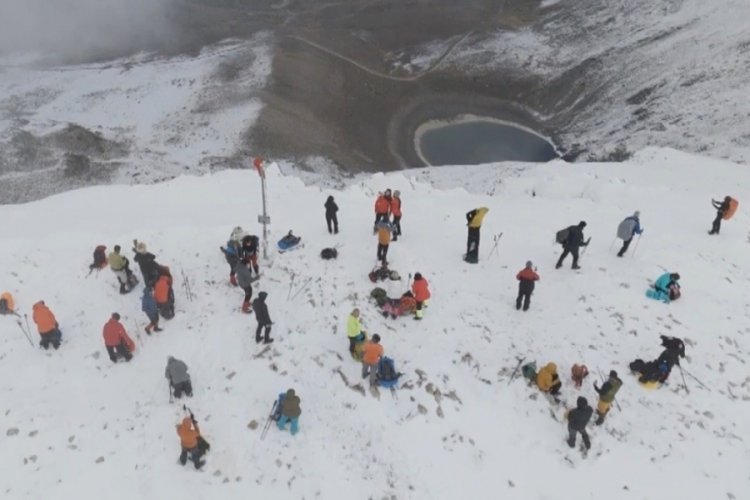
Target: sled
[
  {"x": 651, "y": 385},
  {"x": 289, "y": 242}
]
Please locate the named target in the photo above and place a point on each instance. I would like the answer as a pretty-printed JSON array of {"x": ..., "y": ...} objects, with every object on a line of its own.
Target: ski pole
[
  {"x": 604, "y": 380},
  {"x": 635, "y": 247},
  {"x": 302, "y": 288},
  {"x": 696, "y": 379},
  {"x": 613, "y": 243},
  {"x": 28, "y": 328},
  {"x": 513, "y": 375},
  {"x": 683, "y": 380},
  {"x": 291, "y": 284},
  {"x": 25, "y": 334},
  {"x": 169, "y": 388}
]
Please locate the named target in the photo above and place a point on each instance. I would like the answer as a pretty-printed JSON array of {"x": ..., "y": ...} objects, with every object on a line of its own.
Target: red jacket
[
  {"x": 420, "y": 290},
  {"x": 527, "y": 274},
  {"x": 382, "y": 205},
  {"x": 114, "y": 333},
  {"x": 396, "y": 206}
]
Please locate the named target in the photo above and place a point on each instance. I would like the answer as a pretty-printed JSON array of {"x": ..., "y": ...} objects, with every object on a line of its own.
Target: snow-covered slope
[{"x": 75, "y": 426}]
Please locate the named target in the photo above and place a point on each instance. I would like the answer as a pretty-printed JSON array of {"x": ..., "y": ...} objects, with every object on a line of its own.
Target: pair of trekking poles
[{"x": 635, "y": 247}]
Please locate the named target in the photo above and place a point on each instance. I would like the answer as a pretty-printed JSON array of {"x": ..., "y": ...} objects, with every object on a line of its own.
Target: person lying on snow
[
  {"x": 666, "y": 288},
  {"x": 394, "y": 308},
  {"x": 659, "y": 370}
]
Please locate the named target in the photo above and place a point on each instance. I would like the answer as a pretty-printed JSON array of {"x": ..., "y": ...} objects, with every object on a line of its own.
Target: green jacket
[
  {"x": 609, "y": 389},
  {"x": 353, "y": 326},
  {"x": 116, "y": 261}
]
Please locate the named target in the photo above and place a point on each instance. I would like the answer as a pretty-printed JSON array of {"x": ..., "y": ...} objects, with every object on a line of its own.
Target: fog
[{"x": 85, "y": 30}]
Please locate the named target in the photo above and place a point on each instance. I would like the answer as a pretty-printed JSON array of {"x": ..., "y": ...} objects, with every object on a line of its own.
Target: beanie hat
[
  {"x": 376, "y": 338},
  {"x": 417, "y": 276},
  {"x": 582, "y": 224},
  {"x": 397, "y": 193},
  {"x": 529, "y": 264},
  {"x": 637, "y": 213},
  {"x": 116, "y": 316},
  {"x": 612, "y": 374}
]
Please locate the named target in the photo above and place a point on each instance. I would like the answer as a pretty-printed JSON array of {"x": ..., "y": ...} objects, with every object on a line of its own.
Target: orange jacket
[
  {"x": 527, "y": 274},
  {"x": 396, "y": 206},
  {"x": 420, "y": 290},
  {"x": 114, "y": 333},
  {"x": 384, "y": 235},
  {"x": 382, "y": 206},
  {"x": 188, "y": 433},
  {"x": 372, "y": 353},
  {"x": 8, "y": 301},
  {"x": 43, "y": 317},
  {"x": 161, "y": 289}
]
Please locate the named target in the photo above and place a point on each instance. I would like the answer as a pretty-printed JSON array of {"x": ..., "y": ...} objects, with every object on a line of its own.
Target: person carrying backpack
[
  {"x": 421, "y": 291},
  {"x": 396, "y": 212},
  {"x": 474, "y": 220},
  {"x": 354, "y": 330},
  {"x": 245, "y": 281},
  {"x": 164, "y": 294},
  {"x": 547, "y": 379},
  {"x": 629, "y": 227},
  {"x": 233, "y": 251},
  {"x": 121, "y": 267},
  {"x": 146, "y": 262},
  {"x": 290, "y": 412},
  {"x": 332, "y": 220},
  {"x": 179, "y": 380},
  {"x": 724, "y": 210},
  {"x": 264, "y": 320},
  {"x": 526, "y": 281},
  {"x": 249, "y": 254},
  {"x": 607, "y": 394},
  {"x": 148, "y": 306},
  {"x": 382, "y": 208},
  {"x": 189, "y": 435},
  {"x": 371, "y": 358},
  {"x": 578, "y": 419},
  {"x": 116, "y": 340},
  {"x": 46, "y": 324},
  {"x": 573, "y": 241}
]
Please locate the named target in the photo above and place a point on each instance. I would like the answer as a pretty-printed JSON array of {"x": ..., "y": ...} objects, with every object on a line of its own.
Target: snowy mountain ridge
[{"x": 76, "y": 426}]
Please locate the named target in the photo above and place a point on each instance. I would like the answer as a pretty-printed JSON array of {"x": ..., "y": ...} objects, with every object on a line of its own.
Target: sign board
[{"x": 264, "y": 219}]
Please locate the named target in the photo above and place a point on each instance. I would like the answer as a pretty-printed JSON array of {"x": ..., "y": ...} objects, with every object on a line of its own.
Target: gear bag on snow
[
  {"x": 562, "y": 235},
  {"x": 100, "y": 258},
  {"x": 329, "y": 253},
  {"x": 379, "y": 295},
  {"x": 387, "y": 374},
  {"x": 529, "y": 371},
  {"x": 733, "y": 204}
]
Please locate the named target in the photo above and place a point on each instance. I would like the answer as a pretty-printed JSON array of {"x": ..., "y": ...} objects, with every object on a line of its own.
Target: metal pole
[{"x": 258, "y": 163}]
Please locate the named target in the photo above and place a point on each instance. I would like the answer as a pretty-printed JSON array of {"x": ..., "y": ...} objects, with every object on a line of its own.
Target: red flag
[{"x": 258, "y": 163}]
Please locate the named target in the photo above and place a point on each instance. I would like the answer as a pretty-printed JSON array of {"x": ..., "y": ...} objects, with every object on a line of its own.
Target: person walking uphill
[
  {"x": 572, "y": 242},
  {"x": 179, "y": 380},
  {"x": 629, "y": 227},
  {"x": 332, "y": 220},
  {"x": 607, "y": 394},
  {"x": 724, "y": 210},
  {"x": 421, "y": 291},
  {"x": 290, "y": 412},
  {"x": 264, "y": 320},
  {"x": 578, "y": 419},
  {"x": 526, "y": 280},
  {"x": 384, "y": 240},
  {"x": 382, "y": 207},
  {"x": 245, "y": 280},
  {"x": 474, "y": 220},
  {"x": 396, "y": 212},
  {"x": 46, "y": 324},
  {"x": 148, "y": 306},
  {"x": 371, "y": 358},
  {"x": 116, "y": 340}
]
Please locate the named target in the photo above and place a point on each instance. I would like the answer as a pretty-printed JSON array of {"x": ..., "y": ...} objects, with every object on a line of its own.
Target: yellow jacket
[
  {"x": 475, "y": 217},
  {"x": 545, "y": 379}
]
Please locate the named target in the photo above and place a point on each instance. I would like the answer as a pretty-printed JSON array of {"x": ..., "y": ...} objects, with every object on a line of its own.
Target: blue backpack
[
  {"x": 387, "y": 374},
  {"x": 279, "y": 404}
]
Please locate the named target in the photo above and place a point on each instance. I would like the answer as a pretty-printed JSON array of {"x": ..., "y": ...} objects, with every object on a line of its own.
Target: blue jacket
[
  {"x": 663, "y": 282},
  {"x": 148, "y": 303}
]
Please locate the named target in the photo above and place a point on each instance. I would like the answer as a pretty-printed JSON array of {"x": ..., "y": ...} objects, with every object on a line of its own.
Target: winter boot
[
  {"x": 233, "y": 279},
  {"x": 267, "y": 339},
  {"x": 148, "y": 329},
  {"x": 572, "y": 444},
  {"x": 600, "y": 419},
  {"x": 575, "y": 267},
  {"x": 247, "y": 307}
]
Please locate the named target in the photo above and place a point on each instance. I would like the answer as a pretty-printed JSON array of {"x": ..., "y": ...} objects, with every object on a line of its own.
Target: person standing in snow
[
  {"x": 290, "y": 412},
  {"x": 148, "y": 306},
  {"x": 146, "y": 262},
  {"x": 354, "y": 330},
  {"x": 629, "y": 227},
  {"x": 179, "y": 380},
  {"x": 382, "y": 208},
  {"x": 46, "y": 324},
  {"x": 421, "y": 291},
  {"x": 332, "y": 220},
  {"x": 474, "y": 220},
  {"x": 572, "y": 243},
  {"x": 371, "y": 358},
  {"x": 721, "y": 210},
  {"x": 121, "y": 267},
  {"x": 526, "y": 280},
  {"x": 245, "y": 280},
  {"x": 578, "y": 419},
  {"x": 607, "y": 394},
  {"x": 189, "y": 435},
  {"x": 164, "y": 294},
  {"x": 250, "y": 244},
  {"x": 264, "y": 320},
  {"x": 384, "y": 240},
  {"x": 396, "y": 212},
  {"x": 547, "y": 379},
  {"x": 233, "y": 251},
  {"x": 116, "y": 340}
]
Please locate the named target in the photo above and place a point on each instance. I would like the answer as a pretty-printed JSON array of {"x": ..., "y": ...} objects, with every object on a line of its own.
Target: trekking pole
[
  {"x": 28, "y": 328},
  {"x": 408, "y": 283},
  {"x": 696, "y": 379},
  {"x": 613, "y": 243},
  {"x": 25, "y": 333},
  {"x": 513, "y": 375},
  {"x": 291, "y": 284},
  {"x": 496, "y": 239},
  {"x": 683, "y": 380},
  {"x": 269, "y": 420},
  {"x": 169, "y": 388},
  {"x": 604, "y": 380},
  {"x": 635, "y": 247},
  {"x": 302, "y": 288}
]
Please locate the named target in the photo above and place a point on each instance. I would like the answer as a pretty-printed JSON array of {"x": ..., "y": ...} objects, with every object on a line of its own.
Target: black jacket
[
  {"x": 575, "y": 238},
  {"x": 721, "y": 206},
  {"x": 671, "y": 356},
  {"x": 261, "y": 309},
  {"x": 331, "y": 207},
  {"x": 579, "y": 417},
  {"x": 148, "y": 265}
]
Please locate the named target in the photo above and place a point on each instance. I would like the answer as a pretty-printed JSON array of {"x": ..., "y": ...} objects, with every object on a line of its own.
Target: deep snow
[{"x": 88, "y": 429}]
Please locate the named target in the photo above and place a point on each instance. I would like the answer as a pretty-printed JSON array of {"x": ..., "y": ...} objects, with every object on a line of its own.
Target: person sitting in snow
[
  {"x": 7, "y": 305},
  {"x": 547, "y": 379},
  {"x": 399, "y": 307},
  {"x": 46, "y": 324},
  {"x": 659, "y": 370},
  {"x": 607, "y": 394},
  {"x": 578, "y": 419},
  {"x": 526, "y": 280},
  {"x": 290, "y": 412},
  {"x": 421, "y": 290},
  {"x": 233, "y": 251},
  {"x": 666, "y": 288},
  {"x": 179, "y": 380},
  {"x": 121, "y": 267},
  {"x": 100, "y": 258},
  {"x": 116, "y": 340},
  {"x": 578, "y": 373}
]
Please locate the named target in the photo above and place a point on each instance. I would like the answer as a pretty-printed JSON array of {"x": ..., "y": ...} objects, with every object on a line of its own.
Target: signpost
[{"x": 264, "y": 219}]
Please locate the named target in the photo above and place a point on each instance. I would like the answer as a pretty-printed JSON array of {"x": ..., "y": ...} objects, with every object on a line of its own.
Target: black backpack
[
  {"x": 562, "y": 235},
  {"x": 4, "y": 307},
  {"x": 329, "y": 253}
]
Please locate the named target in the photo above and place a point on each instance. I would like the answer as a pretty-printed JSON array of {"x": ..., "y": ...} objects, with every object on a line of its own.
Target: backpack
[
  {"x": 329, "y": 253},
  {"x": 379, "y": 295},
  {"x": 387, "y": 374},
  {"x": 4, "y": 309},
  {"x": 529, "y": 371},
  {"x": 100, "y": 258},
  {"x": 277, "y": 409},
  {"x": 733, "y": 204},
  {"x": 562, "y": 235},
  {"x": 625, "y": 229}
]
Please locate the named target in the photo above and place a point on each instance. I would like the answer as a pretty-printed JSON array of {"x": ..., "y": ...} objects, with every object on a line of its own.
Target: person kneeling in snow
[
  {"x": 189, "y": 436},
  {"x": 547, "y": 379},
  {"x": 116, "y": 340},
  {"x": 177, "y": 374},
  {"x": 578, "y": 418},
  {"x": 666, "y": 288},
  {"x": 290, "y": 412}
]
